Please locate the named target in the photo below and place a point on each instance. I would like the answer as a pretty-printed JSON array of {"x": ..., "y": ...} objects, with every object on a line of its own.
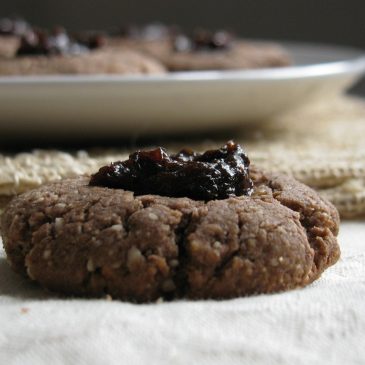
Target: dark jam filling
[
  {"x": 215, "y": 174},
  {"x": 203, "y": 40},
  {"x": 41, "y": 43}
]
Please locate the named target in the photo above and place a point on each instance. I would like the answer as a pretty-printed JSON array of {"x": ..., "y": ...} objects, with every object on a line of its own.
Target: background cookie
[
  {"x": 82, "y": 240},
  {"x": 241, "y": 55},
  {"x": 42, "y": 52},
  {"x": 8, "y": 45},
  {"x": 103, "y": 61}
]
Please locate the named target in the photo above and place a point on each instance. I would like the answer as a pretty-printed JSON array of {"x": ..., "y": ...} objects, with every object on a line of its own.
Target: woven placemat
[{"x": 322, "y": 146}]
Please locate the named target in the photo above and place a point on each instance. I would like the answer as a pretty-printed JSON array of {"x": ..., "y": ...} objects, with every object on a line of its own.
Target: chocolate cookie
[
  {"x": 42, "y": 53},
  {"x": 79, "y": 239},
  {"x": 240, "y": 55},
  {"x": 123, "y": 62},
  {"x": 207, "y": 51}
]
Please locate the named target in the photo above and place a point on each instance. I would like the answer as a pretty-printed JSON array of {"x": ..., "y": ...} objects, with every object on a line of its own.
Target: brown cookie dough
[
  {"x": 8, "y": 45},
  {"x": 103, "y": 61},
  {"x": 86, "y": 240},
  {"x": 242, "y": 55}
]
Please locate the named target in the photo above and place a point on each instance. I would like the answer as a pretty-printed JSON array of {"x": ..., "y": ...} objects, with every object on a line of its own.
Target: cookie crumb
[
  {"x": 90, "y": 265},
  {"x": 217, "y": 245},
  {"x": 117, "y": 227},
  {"x": 47, "y": 254},
  {"x": 153, "y": 216},
  {"x": 58, "y": 224},
  {"x": 60, "y": 206},
  {"x": 134, "y": 257}
]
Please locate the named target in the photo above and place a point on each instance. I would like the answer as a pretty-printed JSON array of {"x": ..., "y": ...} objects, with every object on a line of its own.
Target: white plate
[{"x": 177, "y": 102}]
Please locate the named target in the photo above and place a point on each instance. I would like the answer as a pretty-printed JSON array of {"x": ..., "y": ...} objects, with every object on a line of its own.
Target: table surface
[{"x": 323, "y": 323}]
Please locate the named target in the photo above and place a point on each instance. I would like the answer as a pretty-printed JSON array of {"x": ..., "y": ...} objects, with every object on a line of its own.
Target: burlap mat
[{"x": 322, "y": 146}]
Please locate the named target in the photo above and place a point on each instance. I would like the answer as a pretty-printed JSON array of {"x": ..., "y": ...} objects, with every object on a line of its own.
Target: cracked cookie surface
[{"x": 87, "y": 240}]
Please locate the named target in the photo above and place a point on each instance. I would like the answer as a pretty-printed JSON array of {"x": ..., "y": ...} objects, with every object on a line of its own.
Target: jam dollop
[
  {"x": 204, "y": 40},
  {"x": 214, "y": 174}
]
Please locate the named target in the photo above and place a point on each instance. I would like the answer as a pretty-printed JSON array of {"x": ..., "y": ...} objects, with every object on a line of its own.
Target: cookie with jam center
[
  {"x": 205, "y": 50},
  {"x": 45, "y": 53},
  {"x": 88, "y": 240},
  {"x": 122, "y": 62}
]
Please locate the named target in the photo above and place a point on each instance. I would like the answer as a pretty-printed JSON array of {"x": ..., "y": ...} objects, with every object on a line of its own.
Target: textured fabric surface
[
  {"x": 321, "y": 324},
  {"x": 321, "y": 146}
]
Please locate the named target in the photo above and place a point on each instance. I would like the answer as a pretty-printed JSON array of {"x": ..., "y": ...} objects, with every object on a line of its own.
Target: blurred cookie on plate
[
  {"x": 202, "y": 50},
  {"x": 11, "y": 30},
  {"x": 220, "y": 50},
  {"x": 42, "y": 53}
]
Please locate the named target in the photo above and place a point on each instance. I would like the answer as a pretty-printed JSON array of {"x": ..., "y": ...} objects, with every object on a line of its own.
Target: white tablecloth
[{"x": 321, "y": 324}]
